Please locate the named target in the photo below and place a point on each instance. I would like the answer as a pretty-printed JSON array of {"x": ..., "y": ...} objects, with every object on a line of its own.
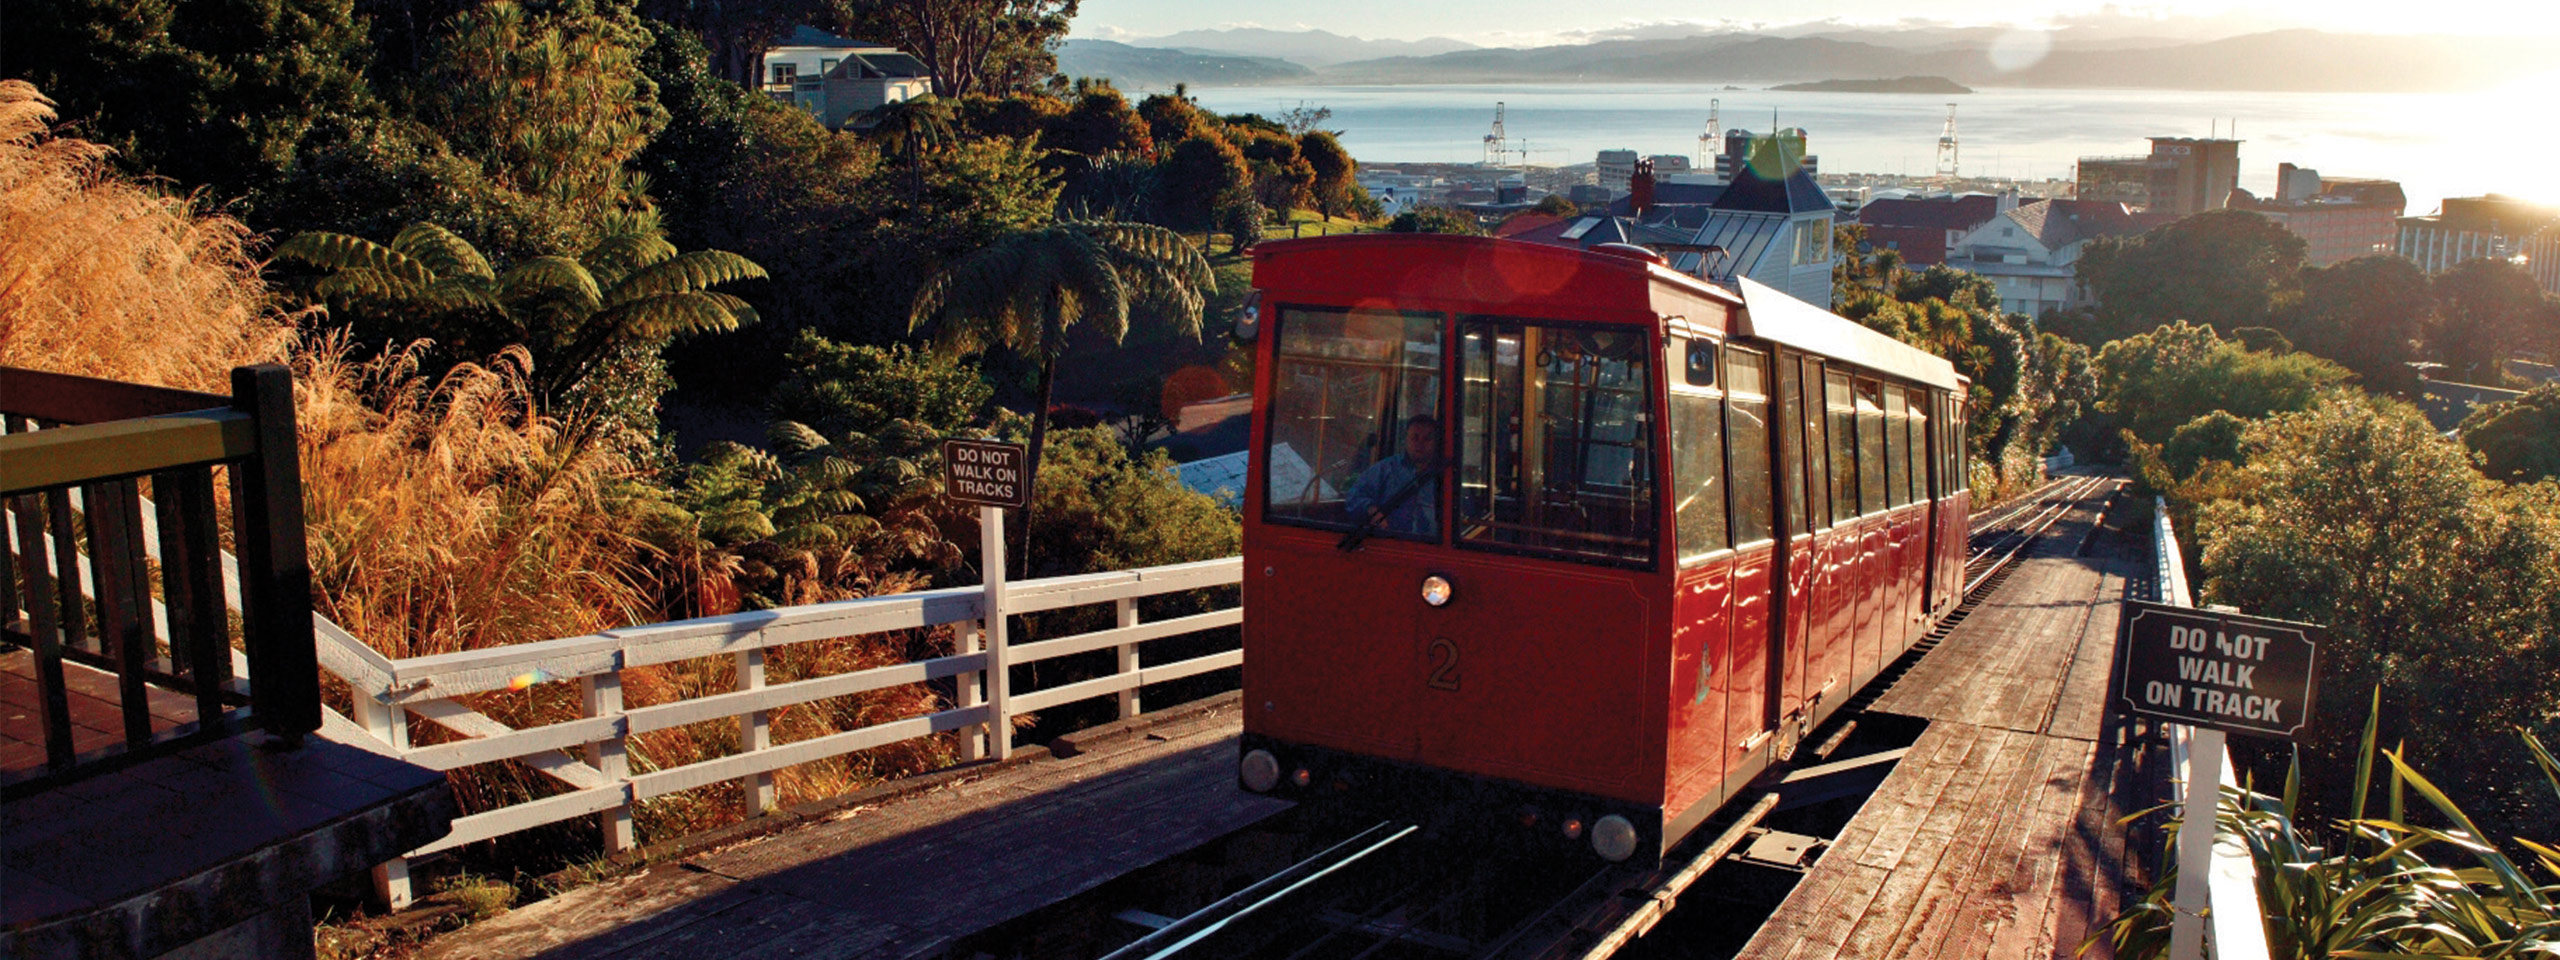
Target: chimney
[{"x": 1640, "y": 189}]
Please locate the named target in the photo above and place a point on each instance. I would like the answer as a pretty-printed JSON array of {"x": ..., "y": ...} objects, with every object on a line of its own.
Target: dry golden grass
[
  {"x": 444, "y": 515},
  {"x": 93, "y": 265}
]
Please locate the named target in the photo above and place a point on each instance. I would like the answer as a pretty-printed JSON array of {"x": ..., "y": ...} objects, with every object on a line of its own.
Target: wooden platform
[
  {"x": 1996, "y": 835},
  {"x": 906, "y": 878},
  {"x": 97, "y": 717}
]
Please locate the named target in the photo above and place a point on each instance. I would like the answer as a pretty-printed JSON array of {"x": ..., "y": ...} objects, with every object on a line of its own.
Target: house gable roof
[
  {"x": 807, "y": 36},
  {"x": 1794, "y": 193}
]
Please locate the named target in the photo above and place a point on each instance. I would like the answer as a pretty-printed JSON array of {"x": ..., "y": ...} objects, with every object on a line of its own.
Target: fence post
[
  {"x": 602, "y": 696},
  {"x": 275, "y": 565},
  {"x": 991, "y": 563},
  {"x": 755, "y": 732},
  {"x": 388, "y": 722},
  {"x": 1129, "y": 658}
]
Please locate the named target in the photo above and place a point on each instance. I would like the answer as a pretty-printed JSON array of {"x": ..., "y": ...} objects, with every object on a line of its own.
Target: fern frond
[
  {"x": 685, "y": 273},
  {"x": 793, "y": 438},
  {"x": 443, "y": 252},
  {"x": 342, "y": 252},
  {"x": 671, "y": 315}
]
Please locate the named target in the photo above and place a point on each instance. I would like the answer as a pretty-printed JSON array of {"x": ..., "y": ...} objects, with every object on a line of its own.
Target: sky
[{"x": 1534, "y": 22}]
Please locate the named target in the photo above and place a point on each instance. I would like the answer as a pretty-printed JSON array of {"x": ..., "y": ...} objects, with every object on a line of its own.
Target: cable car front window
[
  {"x": 1556, "y": 452},
  {"x": 1355, "y": 402}
]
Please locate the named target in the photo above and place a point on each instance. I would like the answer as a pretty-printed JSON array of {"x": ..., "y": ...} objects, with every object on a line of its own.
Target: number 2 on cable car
[{"x": 1444, "y": 664}]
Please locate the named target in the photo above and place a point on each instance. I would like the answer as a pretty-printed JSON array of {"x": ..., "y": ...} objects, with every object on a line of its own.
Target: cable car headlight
[
  {"x": 1260, "y": 771},
  {"x": 1613, "y": 838},
  {"x": 1436, "y": 590}
]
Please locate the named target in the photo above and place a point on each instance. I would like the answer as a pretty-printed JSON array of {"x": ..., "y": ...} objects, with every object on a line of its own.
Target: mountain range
[{"x": 2278, "y": 60}]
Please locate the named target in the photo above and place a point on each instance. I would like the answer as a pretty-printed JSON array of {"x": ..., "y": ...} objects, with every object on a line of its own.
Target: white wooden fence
[
  {"x": 2221, "y": 865},
  {"x": 590, "y": 755}
]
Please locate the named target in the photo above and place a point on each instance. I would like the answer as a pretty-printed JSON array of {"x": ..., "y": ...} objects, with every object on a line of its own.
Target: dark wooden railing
[{"x": 110, "y": 488}]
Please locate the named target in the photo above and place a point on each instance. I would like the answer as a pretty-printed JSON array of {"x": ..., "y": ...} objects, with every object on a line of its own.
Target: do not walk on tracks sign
[
  {"x": 2224, "y": 671},
  {"x": 985, "y": 473}
]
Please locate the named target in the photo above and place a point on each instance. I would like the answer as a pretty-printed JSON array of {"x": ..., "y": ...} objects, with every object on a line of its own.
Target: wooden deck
[
  {"x": 1996, "y": 835},
  {"x": 910, "y": 876},
  {"x": 97, "y": 714}
]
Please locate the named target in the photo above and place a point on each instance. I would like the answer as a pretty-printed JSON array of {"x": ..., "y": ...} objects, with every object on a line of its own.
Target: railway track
[{"x": 1386, "y": 892}]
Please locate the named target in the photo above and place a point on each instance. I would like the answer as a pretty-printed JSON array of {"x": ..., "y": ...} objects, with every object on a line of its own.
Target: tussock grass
[
  {"x": 445, "y": 514},
  {"x": 106, "y": 277}
]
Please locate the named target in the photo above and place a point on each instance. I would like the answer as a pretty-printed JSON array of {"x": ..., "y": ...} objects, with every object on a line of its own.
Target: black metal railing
[{"x": 112, "y": 498}]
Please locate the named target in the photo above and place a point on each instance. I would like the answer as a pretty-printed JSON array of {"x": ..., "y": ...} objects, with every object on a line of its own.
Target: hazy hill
[
  {"x": 1149, "y": 68},
  {"x": 2305, "y": 60},
  {"x": 1315, "y": 48}
]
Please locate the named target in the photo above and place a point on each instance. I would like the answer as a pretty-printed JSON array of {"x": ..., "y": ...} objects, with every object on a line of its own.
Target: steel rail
[{"x": 1174, "y": 937}]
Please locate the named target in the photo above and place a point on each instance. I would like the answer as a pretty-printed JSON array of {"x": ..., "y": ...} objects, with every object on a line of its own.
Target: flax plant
[{"x": 2376, "y": 886}]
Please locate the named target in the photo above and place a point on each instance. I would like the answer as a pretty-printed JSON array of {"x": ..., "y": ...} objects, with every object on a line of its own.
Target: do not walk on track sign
[
  {"x": 2224, "y": 671},
  {"x": 985, "y": 473}
]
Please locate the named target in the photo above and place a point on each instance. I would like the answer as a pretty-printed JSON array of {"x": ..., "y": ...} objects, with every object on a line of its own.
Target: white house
[
  {"x": 2031, "y": 253},
  {"x": 838, "y": 80},
  {"x": 1774, "y": 231}
]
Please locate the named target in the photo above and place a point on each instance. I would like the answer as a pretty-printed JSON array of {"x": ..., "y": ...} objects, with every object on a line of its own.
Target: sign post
[
  {"x": 2218, "y": 673},
  {"x": 992, "y": 476}
]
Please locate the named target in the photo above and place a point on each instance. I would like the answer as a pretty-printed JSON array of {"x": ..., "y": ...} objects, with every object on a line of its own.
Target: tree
[
  {"x": 992, "y": 47},
  {"x": 1334, "y": 170},
  {"x": 835, "y": 387},
  {"x": 2517, "y": 440},
  {"x": 1099, "y": 121},
  {"x": 736, "y": 35},
  {"x": 222, "y": 94},
  {"x": 1025, "y": 291},
  {"x": 2156, "y": 381},
  {"x": 1201, "y": 172},
  {"x": 1436, "y": 220},
  {"x": 2368, "y": 315},
  {"x": 607, "y": 311},
  {"x": 2434, "y": 583},
  {"x": 552, "y": 105},
  {"x": 2225, "y": 269},
  {"x": 2490, "y": 308},
  {"x": 1301, "y": 120},
  {"x": 1173, "y": 118}
]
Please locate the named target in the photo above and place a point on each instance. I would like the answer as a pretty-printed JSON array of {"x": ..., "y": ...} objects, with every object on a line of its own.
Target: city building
[
  {"x": 2181, "y": 176},
  {"x": 1775, "y": 230},
  {"x": 1922, "y": 228},
  {"x": 2470, "y": 228},
  {"x": 1612, "y": 168},
  {"x": 2337, "y": 218},
  {"x": 2031, "y": 252},
  {"x": 1737, "y": 151},
  {"x": 839, "y": 80}
]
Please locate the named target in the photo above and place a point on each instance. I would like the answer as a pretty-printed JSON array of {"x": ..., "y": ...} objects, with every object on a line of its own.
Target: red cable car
[{"x": 1566, "y": 546}]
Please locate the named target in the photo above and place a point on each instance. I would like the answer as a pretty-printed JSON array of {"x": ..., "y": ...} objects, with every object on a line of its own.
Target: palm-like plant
[
  {"x": 1025, "y": 290},
  {"x": 912, "y": 129},
  {"x": 630, "y": 291}
]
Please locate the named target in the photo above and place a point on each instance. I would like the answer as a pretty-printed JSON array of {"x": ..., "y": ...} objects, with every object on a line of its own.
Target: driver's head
[{"x": 1422, "y": 438}]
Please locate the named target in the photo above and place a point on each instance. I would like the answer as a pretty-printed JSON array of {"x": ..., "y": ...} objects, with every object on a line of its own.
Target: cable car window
[
  {"x": 1919, "y": 448},
  {"x": 1870, "y": 447},
  {"x": 1701, "y": 363},
  {"x": 1697, "y": 470},
  {"x": 1556, "y": 457},
  {"x": 1961, "y": 449},
  {"x": 1817, "y": 456},
  {"x": 1844, "y": 446},
  {"x": 1790, "y": 430},
  {"x": 1746, "y": 431},
  {"x": 1897, "y": 446},
  {"x": 1355, "y": 421}
]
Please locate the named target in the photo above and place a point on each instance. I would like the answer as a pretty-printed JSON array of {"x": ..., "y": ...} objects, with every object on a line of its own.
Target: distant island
[{"x": 1880, "y": 85}]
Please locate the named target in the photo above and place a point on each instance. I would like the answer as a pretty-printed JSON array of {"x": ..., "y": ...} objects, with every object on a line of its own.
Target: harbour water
[{"x": 2437, "y": 145}]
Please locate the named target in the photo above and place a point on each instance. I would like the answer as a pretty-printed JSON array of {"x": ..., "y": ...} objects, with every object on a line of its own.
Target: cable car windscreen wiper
[{"x": 1369, "y": 524}]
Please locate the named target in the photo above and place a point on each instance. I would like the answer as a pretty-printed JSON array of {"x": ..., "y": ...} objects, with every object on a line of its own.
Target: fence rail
[
  {"x": 101, "y": 584},
  {"x": 388, "y": 693},
  {"x": 2234, "y": 930}
]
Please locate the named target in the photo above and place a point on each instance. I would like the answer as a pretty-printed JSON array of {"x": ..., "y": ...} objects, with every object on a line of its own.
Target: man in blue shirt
[{"x": 1378, "y": 487}]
